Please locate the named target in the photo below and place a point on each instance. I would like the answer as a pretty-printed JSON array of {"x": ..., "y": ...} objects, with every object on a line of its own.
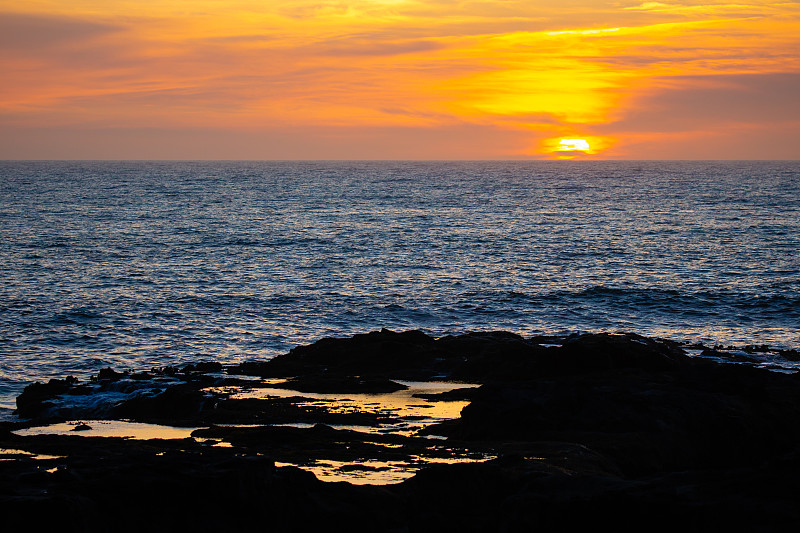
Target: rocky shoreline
[{"x": 548, "y": 433}]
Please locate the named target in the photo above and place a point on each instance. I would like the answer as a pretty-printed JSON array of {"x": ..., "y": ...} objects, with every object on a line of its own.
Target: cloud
[
  {"x": 455, "y": 141},
  {"x": 350, "y": 47},
  {"x": 737, "y": 116},
  {"x": 533, "y": 68},
  {"x": 25, "y": 33},
  {"x": 687, "y": 103},
  {"x": 702, "y": 7}
]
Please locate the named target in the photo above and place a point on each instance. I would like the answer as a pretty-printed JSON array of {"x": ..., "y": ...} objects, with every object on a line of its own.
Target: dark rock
[
  {"x": 376, "y": 354},
  {"x": 606, "y": 351},
  {"x": 756, "y": 348},
  {"x": 733, "y": 357},
  {"x": 340, "y": 384},
  {"x": 284, "y": 411},
  {"x": 109, "y": 373},
  {"x": 701, "y": 417},
  {"x": 790, "y": 355},
  {"x": 480, "y": 357},
  {"x": 459, "y": 394},
  {"x": 596, "y": 431},
  {"x": 176, "y": 404},
  {"x": 204, "y": 367},
  {"x": 36, "y": 398},
  {"x": 127, "y": 486},
  {"x": 409, "y": 355}
]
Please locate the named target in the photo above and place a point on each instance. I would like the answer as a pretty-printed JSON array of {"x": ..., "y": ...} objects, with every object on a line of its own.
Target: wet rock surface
[{"x": 563, "y": 434}]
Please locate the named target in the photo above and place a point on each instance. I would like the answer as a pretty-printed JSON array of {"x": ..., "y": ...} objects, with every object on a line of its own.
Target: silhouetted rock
[
  {"x": 175, "y": 404},
  {"x": 38, "y": 397},
  {"x": 646, "y": 422},
  {"x": 409, "y": 355},
  {"x": 589, "y": 431},
  {"x": 109, "y": 373},
  {"x": 605, "y": 351},
  {"x": 342, "y": 384},
  {"x": 790, "y": 355},
  {"x": 377, "y": 354},
  {"x": 206, "y": 366}
]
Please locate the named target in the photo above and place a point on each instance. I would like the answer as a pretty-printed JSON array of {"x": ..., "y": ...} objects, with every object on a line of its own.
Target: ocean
[{"x": 136, "y": 265}]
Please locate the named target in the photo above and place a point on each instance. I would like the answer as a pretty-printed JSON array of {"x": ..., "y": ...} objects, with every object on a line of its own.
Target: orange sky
[{"x": 399, "y": 79}]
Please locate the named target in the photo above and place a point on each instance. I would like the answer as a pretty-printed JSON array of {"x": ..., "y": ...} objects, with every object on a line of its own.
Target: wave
[
  {"x": 632, "y": 304},
  {"x": 701, "y": 300}
]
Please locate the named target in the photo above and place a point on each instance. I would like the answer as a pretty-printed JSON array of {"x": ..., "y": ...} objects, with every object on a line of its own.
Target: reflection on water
[
  {"x": 9, "y": 454},
  {"x": 368, "y": 472},
  {"x": 408, "y": 413},
  {"x": 376, "y": 472},
  {"x": 405, "y": 415},
  {"x": 110, "y": 428},
  {"x": 401, "y": 413}
]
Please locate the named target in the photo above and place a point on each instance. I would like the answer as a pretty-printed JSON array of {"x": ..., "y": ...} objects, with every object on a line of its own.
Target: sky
[{"x": 399, "y": 79}]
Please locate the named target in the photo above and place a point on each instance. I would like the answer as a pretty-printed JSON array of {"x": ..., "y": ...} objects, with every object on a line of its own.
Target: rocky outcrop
[{"x": 586, "y": 431}]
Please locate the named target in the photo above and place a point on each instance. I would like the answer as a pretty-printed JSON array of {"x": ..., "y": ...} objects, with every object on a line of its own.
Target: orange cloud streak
[{"x": 578, "y": 70}]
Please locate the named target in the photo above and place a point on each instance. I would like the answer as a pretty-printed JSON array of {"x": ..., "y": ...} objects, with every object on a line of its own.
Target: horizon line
[{"x": 367, "y": 160}]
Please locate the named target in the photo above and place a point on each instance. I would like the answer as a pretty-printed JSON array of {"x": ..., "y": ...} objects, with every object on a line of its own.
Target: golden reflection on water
[
  {"x": 367, "y": 472},
  {"x": 110, "y": 428},
  {"x": 376, "y": 472},
  {"x": 409, "y": 414},
  {"x": 12, "y": 454}
]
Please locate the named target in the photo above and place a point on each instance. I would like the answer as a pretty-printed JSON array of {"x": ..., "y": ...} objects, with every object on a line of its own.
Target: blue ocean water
[{"x": 137, "y": 265}]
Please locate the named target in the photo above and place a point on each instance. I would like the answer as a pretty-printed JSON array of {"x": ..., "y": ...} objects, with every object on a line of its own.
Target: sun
[{"x": 573, "y": 145}]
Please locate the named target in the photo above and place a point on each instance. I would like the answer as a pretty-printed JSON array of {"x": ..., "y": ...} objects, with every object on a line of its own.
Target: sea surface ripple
[{"x": 144, "y": 264}]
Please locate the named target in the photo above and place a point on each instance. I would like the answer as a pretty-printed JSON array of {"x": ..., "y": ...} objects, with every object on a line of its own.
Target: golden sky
[{"x": 399, "y": 79}]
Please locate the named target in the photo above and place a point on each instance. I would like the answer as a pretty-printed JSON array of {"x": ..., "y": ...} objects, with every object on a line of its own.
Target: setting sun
[
  {"x": 397, "y": 79},
  {"x": 573, "y": 145}
]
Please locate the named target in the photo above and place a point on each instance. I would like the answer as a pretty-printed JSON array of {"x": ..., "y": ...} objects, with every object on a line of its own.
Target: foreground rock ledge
[{"x": 593, "y": 430}]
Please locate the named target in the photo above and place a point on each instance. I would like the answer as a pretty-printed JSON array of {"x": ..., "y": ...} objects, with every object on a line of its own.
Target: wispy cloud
[
  {"x": 536, "y": 70},
  {"x": 29, "y": 34}
]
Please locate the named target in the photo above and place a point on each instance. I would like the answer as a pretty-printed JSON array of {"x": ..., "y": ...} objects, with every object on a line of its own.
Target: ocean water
[{"x": 137, "y": 265}]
